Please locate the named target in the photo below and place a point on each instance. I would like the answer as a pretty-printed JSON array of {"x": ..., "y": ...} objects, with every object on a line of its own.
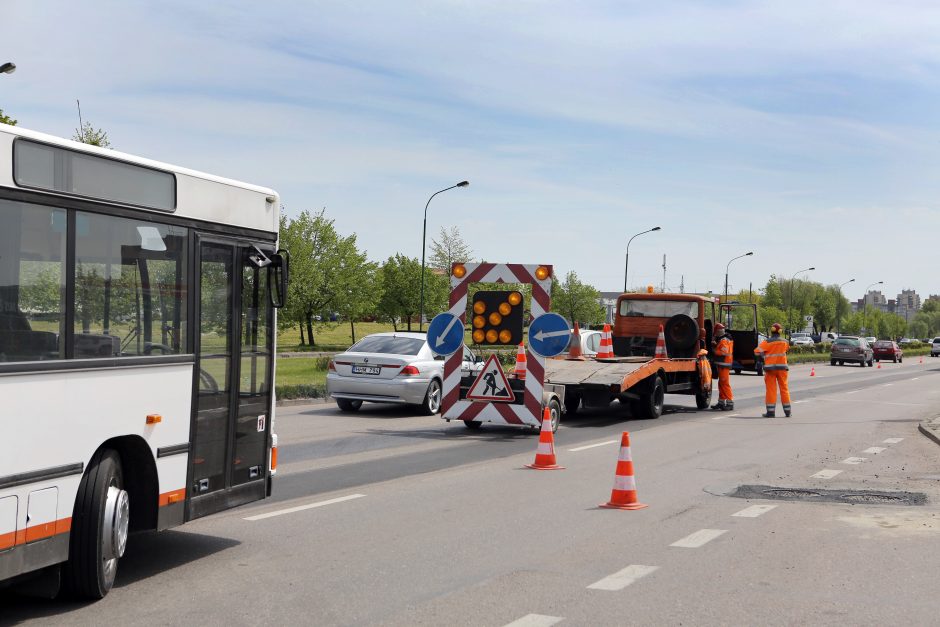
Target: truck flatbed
[{"x": 622, "y": 372}]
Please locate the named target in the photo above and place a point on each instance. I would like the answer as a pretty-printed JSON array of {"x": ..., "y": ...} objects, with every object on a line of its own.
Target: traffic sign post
[
  {"x": 549, "y": 335},
  {"x": 445, "y": 334}
]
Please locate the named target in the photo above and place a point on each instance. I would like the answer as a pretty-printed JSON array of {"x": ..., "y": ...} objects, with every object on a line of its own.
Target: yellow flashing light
[
  {"x": 542, "y": 273},
  {"x": 514, "y": 298},
  {"x": 459, "y": 271}
]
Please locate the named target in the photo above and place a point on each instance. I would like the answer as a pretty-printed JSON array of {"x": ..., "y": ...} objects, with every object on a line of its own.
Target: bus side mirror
[{"x": 278, "y": 273}]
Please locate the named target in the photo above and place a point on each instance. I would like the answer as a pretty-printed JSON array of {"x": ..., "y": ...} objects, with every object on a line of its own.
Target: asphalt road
[{"x": 386, "y": 518}]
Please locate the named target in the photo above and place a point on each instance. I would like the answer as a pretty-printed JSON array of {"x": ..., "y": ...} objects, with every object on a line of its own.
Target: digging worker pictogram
[
  {"x": 490, "y": 379},
  {"x": 773, "y": 352},
  {"x": 724, "y": 351}
]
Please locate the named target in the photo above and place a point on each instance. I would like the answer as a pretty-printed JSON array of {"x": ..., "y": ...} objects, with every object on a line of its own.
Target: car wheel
[
  {"x": 100, "y": 524},
  {"x": 894, "y": 359},
  {"x": 348, "y": 405},
  {"x": 871, "y": 363},
  {"x": 432, "y": 400},
  {"x": 900, "y": 360},
  {"x": 737, "y": 371}
]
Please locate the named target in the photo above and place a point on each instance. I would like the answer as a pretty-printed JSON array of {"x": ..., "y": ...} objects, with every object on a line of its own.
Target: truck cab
[{"x": 687, "y": 321}]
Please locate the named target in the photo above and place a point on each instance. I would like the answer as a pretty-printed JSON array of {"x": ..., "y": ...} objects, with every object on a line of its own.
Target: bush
[{"x": 303, "y": 390}]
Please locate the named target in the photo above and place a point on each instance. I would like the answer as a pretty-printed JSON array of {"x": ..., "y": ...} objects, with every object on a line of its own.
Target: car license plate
[{"x": 366, "y": 369}]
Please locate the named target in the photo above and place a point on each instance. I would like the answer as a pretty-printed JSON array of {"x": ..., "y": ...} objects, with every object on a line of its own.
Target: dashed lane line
[
  {"x": 535, "y": 620},
  {"x": 874, "y": 450},
  {"x": 754, "y": 511},
  {"x": 300, "y": 508},
  {"x": 699, "y": 538},
  {"x": 893, "y": 440},
  {"x": 826, "y": 474},
  {"x": 853, "y": 392},
  {"x": 853, "y": 460},
  {"x": 584, "y": 448},
  {"x": 622, "y": 579}
]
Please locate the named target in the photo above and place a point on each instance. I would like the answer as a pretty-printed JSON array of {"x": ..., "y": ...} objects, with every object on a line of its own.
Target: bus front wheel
[{"x": 100, "y": 524}]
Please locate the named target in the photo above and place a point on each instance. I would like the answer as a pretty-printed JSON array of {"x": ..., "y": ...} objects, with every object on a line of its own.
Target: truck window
[{"x": 659, "y": 308}]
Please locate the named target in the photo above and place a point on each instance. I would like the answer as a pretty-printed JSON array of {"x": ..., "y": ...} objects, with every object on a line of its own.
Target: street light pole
[
  {"x": 865, "y": 303},
  {"x": 839, "y": 308},
  {"x": 790, "y": 299},
  {"x": 626, "y": 265},
  {"x": 728, "y": 266},
  {"x": 424, "y": 234}
]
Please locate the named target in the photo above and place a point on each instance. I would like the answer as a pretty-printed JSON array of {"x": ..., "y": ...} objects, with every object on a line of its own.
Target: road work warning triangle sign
[{"x": 491, "y": 384}]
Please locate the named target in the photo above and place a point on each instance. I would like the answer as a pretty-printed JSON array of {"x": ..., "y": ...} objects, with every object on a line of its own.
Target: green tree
[
  {"x": 449, "y": 249},
  {"x": 360, "y": 287},
  {"x": 5, "y": 119},
  {"x": 88, "y": 134},
  {"x": 401, "y": 291},
  {"x": 918, "y": 329},
  {"x": 576, "y": 301}
]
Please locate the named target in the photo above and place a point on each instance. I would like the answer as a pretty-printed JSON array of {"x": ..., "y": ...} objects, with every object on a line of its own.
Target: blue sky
[{"x": 807, "y": 132}]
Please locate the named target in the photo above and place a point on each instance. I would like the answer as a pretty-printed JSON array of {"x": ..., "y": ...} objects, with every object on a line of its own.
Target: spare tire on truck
[{"x": 682, "y": 335}]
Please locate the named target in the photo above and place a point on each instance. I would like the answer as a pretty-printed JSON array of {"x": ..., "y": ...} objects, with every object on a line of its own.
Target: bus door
[{"x": 233, "y": 375}]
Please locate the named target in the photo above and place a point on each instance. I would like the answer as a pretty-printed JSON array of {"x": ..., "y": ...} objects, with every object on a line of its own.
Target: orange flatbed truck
[{"x": 634, "y": 376}]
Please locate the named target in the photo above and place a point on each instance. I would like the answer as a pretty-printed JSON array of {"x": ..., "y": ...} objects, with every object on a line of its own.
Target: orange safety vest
[
  {"x": 774, "y": 352},
  {"x": 724, "y": 351}
]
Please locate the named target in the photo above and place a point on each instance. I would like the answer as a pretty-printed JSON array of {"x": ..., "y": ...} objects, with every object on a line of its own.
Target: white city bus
[{"x": 137, "y": 331}]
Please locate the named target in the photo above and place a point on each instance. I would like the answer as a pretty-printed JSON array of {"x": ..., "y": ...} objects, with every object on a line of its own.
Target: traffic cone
[
  {"x": 879, "y": 366},
  {"x": 812, "y": 371},
  {"x": 661, "y": 345},
  {"x": 545, "y": 453},
  {"x": 574, "y": 353},
  {"x": 520, "y": 362},
  {"x": 607, "y": 345},
  {"x": 623, "y": 496}
]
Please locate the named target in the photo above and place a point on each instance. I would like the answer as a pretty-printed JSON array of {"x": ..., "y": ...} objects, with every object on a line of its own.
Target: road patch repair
[
  {"x": 931, "y": 428},
  {"x": 817, "y": 495}
]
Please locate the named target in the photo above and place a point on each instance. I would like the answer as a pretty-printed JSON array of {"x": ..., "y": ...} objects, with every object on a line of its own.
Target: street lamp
[
  {"x": 790, "y": 299},
  {"x": 865, "y": 303},
  {"x": 839, "y": 307},
  {"x": 424, "y": 233},
  {"x": 7, "y": 68},
  {"x": 728, "y": 266},
  {"x": 626, "y": 265}
]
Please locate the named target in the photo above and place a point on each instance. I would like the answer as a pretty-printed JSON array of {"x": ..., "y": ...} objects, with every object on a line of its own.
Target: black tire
[
  {"x": 90, "y": 571},
  {"x": 737, "y": 371},
  {"x": 832, "y": 362},
  {"x": 554, "y": 408},
  {"x": 900, "y": 360},
  {"x": 572, "y": 403},
  {"x": 473, "y": 425},
  {"x": 432, "y": 399},
  {"x": 651, "y": 403},
  {"x": 704, "y": 398},
  {"x": 348, "y": 405},
  {"x": 895, "y": 359},
  {"x": 841, "y": 362},
  {"x": 682, "y": 335},
  {"x": 871, "y": 363}
]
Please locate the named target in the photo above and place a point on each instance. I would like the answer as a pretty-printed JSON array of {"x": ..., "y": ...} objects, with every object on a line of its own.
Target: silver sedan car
[{"x": 394, "y": 367}]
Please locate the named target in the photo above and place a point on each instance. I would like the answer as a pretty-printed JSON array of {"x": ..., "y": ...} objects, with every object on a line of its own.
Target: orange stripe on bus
[
  {"x": 34, "y": 533},
  {"x": 40, "y": 531},
  {"x": 7, "y": 540},
  {"x": 176, "y": 496}
]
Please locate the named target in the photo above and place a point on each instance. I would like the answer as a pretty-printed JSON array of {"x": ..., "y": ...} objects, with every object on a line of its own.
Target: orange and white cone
[
  {"x": 623, "y": 496},
  {"x": 575, "y": 353},
  {"x": 879, "y": 366},
  {"x": 545, "y": 453},
  {"x": 661, "y": 345},
  {"x": 520, "y": 362},
  {"x": 607, "y": 345}
]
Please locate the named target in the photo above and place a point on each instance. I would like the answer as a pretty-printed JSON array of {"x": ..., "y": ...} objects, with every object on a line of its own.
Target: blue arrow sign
[
  {"x": 445, "y": 334},
  {"x": 549, "y": 335}
]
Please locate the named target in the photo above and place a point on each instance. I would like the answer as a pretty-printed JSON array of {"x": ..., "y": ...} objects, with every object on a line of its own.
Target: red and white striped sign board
[{"x": 530, "y": 412}]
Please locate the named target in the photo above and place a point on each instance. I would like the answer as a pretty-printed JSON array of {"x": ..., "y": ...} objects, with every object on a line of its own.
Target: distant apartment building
[
  {"x": 908, "y": 304},
  {"x": 874, "y": 300}
]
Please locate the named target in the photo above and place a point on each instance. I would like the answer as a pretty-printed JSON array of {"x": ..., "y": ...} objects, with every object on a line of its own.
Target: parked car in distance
[
  {"x": 886, "y": 349},
  {"x": 850, "y": 348},
  {"x": 590, "y": 342},
  {"x": 827, "y": 336},
  {"x": 394, "y": 367},
  {"x": 904, "y": 341},
  {"x": 801, "y": 339},
  {"x": 935, "y": 347},
  {"x": 870, "y": 340}
]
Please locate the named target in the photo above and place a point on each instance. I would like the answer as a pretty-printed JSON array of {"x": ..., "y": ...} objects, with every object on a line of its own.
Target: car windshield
[
  {"x": 884, "y": 344},
  {"x": 658, "y": 308},
  {"x": 388, "y": 344},
  {"x": 846, "y": 341},
  {"x": 797, "y": 336}
]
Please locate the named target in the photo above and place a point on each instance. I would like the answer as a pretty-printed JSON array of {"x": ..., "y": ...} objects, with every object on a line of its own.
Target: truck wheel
[
  {"x": 650, "y": 404},
  {"x": 572, "y": 403},
  {"x": 704, "y": 398},
  {"x": 473, "y": 425},
  {"x": 737, "y": 371},
  {"x": 554, "y": 408},
  {"x": 832, "y": 362},
  {"x": 100, "y": 523}
]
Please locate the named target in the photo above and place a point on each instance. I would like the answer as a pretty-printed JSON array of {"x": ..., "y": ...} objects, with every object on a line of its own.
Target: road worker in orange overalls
[
  {"x": 773, "y": 352},
  {"x": 724, "y": 351}
]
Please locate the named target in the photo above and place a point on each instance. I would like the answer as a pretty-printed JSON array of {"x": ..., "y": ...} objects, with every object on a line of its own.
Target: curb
[
  {"x": 301, "y": 401},
  {"x": 931, "y": 428}
]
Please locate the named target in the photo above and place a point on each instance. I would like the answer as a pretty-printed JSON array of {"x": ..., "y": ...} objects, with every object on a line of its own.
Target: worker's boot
[
  {"x": 729, "y": 406},
  {"x": 719, "y": 406},
  {"x": 770, "y": 412},
  {"x": 786, "y": 410}
]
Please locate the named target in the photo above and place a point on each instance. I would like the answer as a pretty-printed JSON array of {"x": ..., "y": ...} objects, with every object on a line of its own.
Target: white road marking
[
  {"x": 584, "y": 448},
  {"x": 874, "y": 450},
  {"x": 718, "y": 417},
  {"x": 732, "y": 415},
  {"x": 893, "y": 440},
  {"x": 535, "y": 620},
  {"x": 852, "y": 400},
  {"x": 754, "y": 511},
  {"x": 805, "y": 400},
  {"x": 826, "y": 474},
  {"x": 914, "y": 378},
  {"x": 623, "y": 578},
  {"x": 853, "y": 392},
  {"x": 300, "y": 508},
  {"x": 853, "y": 460},
  {"x": 699, "y": 538},
  {"x": 887, "y": 384}
]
